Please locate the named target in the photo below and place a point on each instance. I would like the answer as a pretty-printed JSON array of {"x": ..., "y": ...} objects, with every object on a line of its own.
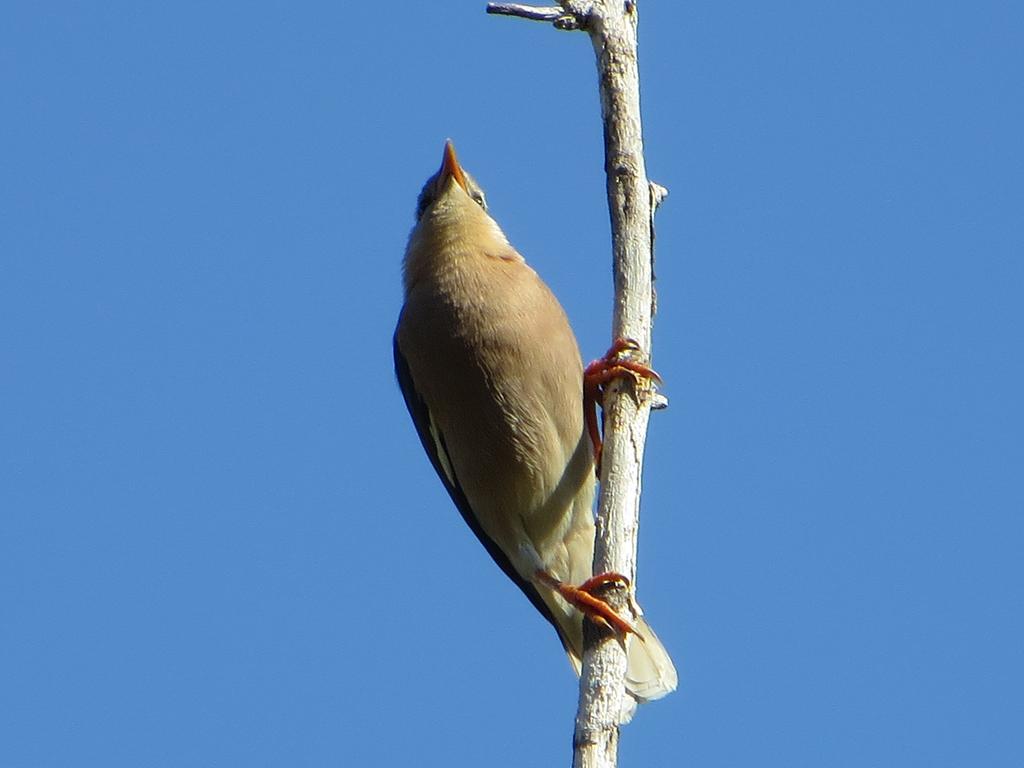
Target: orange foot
[
  {"x": 616, "y": 362},
  {"x": 593, "y": 607}
]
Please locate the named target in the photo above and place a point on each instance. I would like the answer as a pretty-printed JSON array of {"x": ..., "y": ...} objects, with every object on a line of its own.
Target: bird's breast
[{"x": 493, "y": 357}]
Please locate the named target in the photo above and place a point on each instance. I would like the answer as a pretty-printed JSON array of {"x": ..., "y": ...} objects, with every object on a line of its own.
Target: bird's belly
[
  {"x": 519, "y": 474},
  {"x": 509, "y": 409}
]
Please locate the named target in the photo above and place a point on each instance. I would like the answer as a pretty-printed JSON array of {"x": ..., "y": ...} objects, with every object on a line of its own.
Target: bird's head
[{"x": 450, "y": 182}]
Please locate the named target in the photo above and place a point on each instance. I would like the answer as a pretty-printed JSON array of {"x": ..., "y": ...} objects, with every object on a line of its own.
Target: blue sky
[{"x": 220, "y": 543}]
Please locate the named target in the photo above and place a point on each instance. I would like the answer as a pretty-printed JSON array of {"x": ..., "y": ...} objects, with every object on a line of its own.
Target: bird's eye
[{"x": 479, "y": 198}]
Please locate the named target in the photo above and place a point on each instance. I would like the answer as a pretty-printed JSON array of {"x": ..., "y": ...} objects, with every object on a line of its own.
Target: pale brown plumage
[{"x": 493, "y": 379}]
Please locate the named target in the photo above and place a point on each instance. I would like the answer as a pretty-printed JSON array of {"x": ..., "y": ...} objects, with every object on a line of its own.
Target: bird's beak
[{"x": 450, "y": 168}]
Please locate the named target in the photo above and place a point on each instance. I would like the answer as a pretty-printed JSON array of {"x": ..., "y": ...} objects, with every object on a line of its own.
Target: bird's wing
[{"x": 434, "y": 444}]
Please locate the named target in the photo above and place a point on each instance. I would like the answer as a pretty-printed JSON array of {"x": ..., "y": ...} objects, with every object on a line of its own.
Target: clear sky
[{"x": 220, "y": 542}]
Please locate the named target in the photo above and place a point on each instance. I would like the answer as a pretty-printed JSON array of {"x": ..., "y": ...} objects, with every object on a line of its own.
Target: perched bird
[{"x": 492, "y": 376}]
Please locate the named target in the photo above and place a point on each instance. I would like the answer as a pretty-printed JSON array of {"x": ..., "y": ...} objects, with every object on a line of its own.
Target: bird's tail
[{"x": 650, "y": 673}]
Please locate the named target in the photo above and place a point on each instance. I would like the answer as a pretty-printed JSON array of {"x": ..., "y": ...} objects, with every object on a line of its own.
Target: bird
[{"x": 492, "y": 376}]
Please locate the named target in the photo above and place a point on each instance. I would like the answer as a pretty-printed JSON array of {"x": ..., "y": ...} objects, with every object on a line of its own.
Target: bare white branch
[
  {"x": 533, "y": 13},
  {"x": 612, "y": 25}
]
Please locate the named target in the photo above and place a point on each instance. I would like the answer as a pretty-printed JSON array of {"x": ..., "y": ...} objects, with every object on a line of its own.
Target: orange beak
[{"x": 450, "y": 167}]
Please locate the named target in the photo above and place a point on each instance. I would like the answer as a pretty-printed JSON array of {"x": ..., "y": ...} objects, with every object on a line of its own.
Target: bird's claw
[
  {"x": 618, "y": 361},
  {"x": 585, "y": 598}
]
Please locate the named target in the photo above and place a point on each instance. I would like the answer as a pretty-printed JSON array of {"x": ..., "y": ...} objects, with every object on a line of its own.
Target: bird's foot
[
  {"x": 585, "y": 598},
  {"x": 617, "y": 361}
]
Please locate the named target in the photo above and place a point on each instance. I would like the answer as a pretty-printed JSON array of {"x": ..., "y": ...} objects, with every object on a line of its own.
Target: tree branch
[
  {"x": 632, "y": 199},
  {"x": 530, "y": 12}
]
